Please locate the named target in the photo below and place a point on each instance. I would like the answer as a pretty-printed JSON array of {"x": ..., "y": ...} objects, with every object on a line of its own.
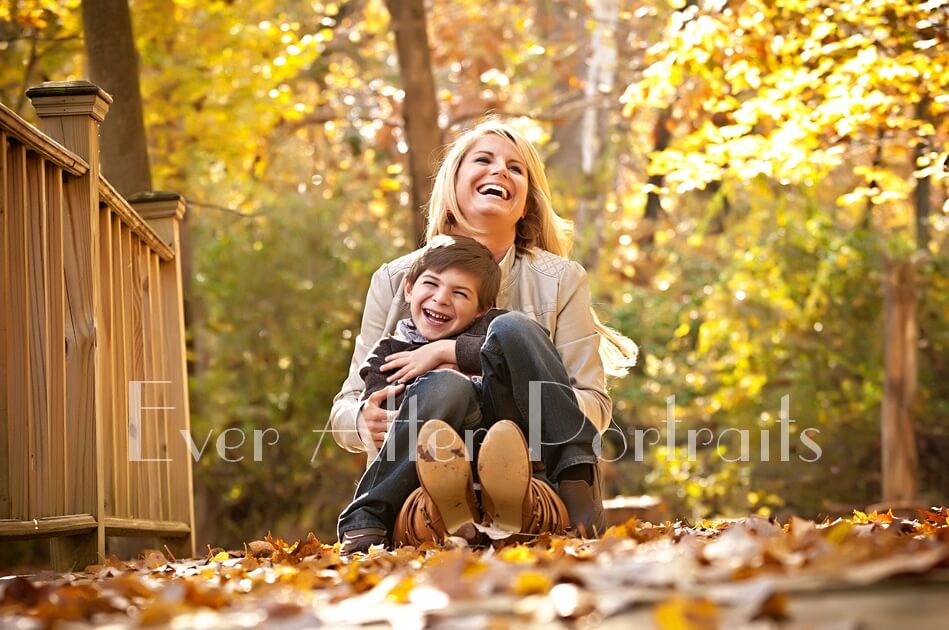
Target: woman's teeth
[{"x": 494, "y": 190}]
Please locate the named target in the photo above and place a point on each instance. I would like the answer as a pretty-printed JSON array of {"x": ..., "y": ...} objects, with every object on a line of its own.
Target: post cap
[
  {"x": 158, "y": 204},
  {"x": 69, "y": 98}
]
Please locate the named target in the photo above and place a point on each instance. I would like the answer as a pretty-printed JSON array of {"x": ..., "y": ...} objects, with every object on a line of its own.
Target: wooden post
[
  {"x": 899, "y": 385},
  {"x": 164, "y": 212},
  {"x": 70, "y": 113}
]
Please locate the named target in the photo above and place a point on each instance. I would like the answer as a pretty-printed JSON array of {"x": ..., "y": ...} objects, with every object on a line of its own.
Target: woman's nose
[{"x": 499, "y": 169}]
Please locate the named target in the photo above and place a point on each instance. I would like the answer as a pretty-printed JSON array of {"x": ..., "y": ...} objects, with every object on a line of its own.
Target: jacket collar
[{"x": 507, "y": 275}]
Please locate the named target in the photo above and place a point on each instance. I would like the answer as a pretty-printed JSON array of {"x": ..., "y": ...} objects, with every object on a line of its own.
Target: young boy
[{"x": 450, "y": 289}]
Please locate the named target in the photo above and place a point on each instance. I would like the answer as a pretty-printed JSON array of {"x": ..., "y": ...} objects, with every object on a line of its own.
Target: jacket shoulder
[
  {"x": 396, "y": 269},
  {"x": 552, "y": 265}
]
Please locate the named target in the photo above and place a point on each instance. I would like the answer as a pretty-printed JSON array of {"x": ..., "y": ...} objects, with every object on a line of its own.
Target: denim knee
[
  {"x": 514, "y": 329},
  {"x": 444, "y": 394}
]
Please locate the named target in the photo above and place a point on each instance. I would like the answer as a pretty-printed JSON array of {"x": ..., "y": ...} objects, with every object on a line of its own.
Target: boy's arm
[
  {"x": 371, "y": 370},
  {"x": 468, "y": 344}
]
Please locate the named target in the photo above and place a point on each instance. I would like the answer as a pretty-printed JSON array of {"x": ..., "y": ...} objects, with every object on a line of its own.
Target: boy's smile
[{"x": 443, "y": 303}]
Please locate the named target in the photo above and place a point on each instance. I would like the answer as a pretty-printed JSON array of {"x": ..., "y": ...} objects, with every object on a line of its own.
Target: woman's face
[{"x": 491, "y": 185}]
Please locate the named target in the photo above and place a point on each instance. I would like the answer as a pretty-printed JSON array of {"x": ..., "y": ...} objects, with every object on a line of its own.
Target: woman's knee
[{"x": 514, "y": 328}]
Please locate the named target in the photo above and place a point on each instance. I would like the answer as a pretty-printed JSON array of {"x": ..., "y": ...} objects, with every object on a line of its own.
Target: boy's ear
[{"x": 407, "y": 289}]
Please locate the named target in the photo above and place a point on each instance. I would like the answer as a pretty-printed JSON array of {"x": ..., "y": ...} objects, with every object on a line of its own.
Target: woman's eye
[
  {"x": 481, "y": 160},
  {"x": 517, "y": 169}
]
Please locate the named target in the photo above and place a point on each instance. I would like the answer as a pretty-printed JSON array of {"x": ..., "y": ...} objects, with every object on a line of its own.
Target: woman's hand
[
  {"x": 373, "y": 420},
  {"x": 414, "y": 363}
]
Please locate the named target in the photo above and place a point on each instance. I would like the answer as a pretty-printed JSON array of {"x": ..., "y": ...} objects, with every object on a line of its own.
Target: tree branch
[{"x": 214, "y": 206}]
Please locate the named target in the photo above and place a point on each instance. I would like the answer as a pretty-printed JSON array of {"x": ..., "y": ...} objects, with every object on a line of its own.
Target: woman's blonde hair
[{"x": 541, "y": 226}]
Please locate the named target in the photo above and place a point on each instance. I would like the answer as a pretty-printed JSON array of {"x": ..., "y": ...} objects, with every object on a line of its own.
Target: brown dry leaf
[
  {"x": 260, "y": 549},
  {"x": 310, "y": 547},
  {"x": 154, "y": 559},
  {"x": 774, "y": 608}
]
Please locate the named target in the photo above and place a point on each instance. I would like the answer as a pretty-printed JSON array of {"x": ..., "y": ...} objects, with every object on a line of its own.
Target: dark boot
[{"x": 585, "y": 505}]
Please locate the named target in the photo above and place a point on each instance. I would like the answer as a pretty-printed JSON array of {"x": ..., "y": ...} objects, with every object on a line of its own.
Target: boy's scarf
[{"x": 405, "y": 330}]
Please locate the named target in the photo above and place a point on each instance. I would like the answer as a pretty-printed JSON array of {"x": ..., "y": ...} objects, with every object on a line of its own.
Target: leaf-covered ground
[{"x": 737, "y": 573}]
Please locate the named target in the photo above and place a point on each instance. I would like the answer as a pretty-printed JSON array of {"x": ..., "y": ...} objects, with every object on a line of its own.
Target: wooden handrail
[
  {"x": 51, "y": 150},
  {"x": 121, "y": 207}
]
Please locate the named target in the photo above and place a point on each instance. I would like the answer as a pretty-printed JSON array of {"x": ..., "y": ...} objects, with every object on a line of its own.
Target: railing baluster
[
  {"x": 37, "y": 255},
  {"x": 105, "y": 328},
  {"x": 133, "y": 316},
  {"x": 120, "y": 367},
  {"x": 57, "y": 341},
  {"x": 18, "y": 335},
  {"x": 5, "y": 319}
]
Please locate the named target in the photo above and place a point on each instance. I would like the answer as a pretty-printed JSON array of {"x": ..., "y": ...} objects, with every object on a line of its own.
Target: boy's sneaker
[{"x": 359, "y": 540}]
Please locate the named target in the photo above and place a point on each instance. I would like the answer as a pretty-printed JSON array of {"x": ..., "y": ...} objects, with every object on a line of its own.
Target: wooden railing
[{"x": 93, "y": 383}]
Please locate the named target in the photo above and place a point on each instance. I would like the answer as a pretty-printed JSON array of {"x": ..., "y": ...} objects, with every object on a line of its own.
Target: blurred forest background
[{"x": 747, "y": 178}]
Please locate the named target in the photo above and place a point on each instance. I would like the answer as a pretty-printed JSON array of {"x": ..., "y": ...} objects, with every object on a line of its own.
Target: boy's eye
[
  {"x": 461, "y": 294},
  {"x": 429, "y": 283}
]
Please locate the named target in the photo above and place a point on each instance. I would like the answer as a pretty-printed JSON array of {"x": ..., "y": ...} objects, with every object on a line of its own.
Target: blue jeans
[{"x": 523, "y": 379}]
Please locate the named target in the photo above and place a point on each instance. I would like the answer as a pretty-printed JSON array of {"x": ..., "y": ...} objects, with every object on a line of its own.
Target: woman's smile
[{"x": 491, "y": 185}]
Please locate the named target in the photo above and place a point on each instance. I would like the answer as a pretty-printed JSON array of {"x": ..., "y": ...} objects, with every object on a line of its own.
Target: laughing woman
[{"x": 540, "y": 400}]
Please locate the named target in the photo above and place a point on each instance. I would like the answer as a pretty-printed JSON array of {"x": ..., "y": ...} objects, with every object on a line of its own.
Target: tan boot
[
  {"x": 512, "y": 499},
  {"x": 418, "y": 521}
]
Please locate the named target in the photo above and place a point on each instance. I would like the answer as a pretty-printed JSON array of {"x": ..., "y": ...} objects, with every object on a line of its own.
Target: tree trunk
[
  {"x": 420, "y": 107},
  {"x": 113, "y": 65},
  {"x": 581, "y": 136},
  {"x": 558, "y": 25},
  {"x": 661, "y": 138},
  {"x": 601, "y": 76},
  {"x": 923, "y": 190},
  {"x": 899, "y": 391}
]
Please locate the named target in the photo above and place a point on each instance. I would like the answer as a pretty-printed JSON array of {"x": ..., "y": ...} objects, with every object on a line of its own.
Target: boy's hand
[
  {"x": 414, "y": 363},
  {"x": 374, "y": 420}
]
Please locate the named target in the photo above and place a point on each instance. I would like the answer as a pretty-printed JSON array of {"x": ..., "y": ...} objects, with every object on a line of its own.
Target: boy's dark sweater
[{"x": 467, "y": 354}]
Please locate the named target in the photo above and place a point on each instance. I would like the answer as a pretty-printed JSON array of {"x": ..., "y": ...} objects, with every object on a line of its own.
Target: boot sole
[
  {"x": 444, "y": 471},
  {"x": 504, "y": 469}
]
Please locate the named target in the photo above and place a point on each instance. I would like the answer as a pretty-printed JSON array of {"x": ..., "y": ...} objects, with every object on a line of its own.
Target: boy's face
[{"x": 443, "y": 303}]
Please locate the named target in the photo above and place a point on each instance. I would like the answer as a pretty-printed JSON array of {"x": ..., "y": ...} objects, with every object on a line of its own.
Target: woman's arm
[
  {"x": 346, "y": 404},
  {"x": 578, "y": 342}
]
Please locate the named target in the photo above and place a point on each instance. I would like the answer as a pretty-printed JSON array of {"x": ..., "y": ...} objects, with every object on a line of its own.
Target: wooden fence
[{"x": 93, "y": 383}]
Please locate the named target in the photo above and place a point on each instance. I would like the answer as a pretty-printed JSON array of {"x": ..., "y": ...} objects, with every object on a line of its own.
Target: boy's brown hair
[{"x": 448, "y": 251}]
